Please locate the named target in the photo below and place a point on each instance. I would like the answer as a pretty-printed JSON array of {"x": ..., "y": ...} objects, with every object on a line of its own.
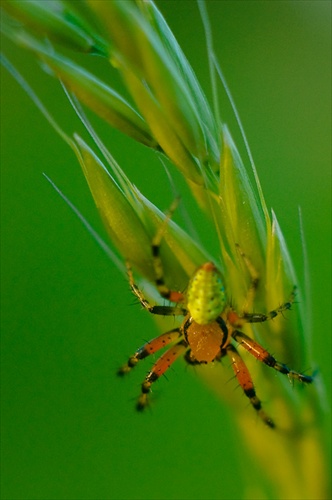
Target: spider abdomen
[{"x": 206, "y": 297}]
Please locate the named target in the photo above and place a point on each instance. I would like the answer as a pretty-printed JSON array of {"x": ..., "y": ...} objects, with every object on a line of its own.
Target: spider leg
[
  {"x": 163, "y": 289},
  {"x": 254, "y": 280},
  {"x": 158, "y": 369},
  {"x": 161, "y": 310},
  {"x": 265, "y": 357},
  {"x": 150, "y": 347},
  {"x": 248, "y": 305},
  {"x": 243, "y": 376},
  {"x": 246, "y": 317}
]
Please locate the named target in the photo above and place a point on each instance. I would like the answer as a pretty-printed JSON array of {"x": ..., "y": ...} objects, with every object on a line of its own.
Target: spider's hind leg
[
  {"x": 248, "y": 317},
  {"x": 163, "y": 289},
  {"x": 254, "y": 280},
  {"x": 261, "y": 317},
  {"x": 153, "y": 309}
]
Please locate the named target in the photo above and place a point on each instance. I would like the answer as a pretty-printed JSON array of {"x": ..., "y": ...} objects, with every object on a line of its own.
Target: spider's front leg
[
  {"x": 158, "y": 343},
  {"x": 243, "y": 376},
  {"x": 161, "y": 365},
  {"x": 149, "y": 348},
  {"x": 256, "y": 349},
  {"x": 265, "y": 357},
  {"x": 158, "y": 369}
]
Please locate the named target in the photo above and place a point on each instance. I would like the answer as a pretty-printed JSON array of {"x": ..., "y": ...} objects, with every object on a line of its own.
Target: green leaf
[
  {"x": 121, "y": 221},
  {"x": 101, "y": 98},
  {"x": 132, "y": 221},
  {"x": 146, "y": 59},
  {"x": 55, "y": 20}
]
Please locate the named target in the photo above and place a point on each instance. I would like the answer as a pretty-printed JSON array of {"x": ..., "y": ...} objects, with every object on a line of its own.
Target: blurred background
[{"x": 69, "y": 430}]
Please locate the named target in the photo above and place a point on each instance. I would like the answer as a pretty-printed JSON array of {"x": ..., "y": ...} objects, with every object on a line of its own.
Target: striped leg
[
  {"x": 163, "y": 289},
  {"x": 260, "y": 318},
  {"x": 150, "y": 347},
  {"x": 160, "y": 310},
  {"x": 158, "y": 369},
  {"x": 243, "y": 376},
  {"x": 249, "y": 302},
  {"x": 265, "y": 357}
]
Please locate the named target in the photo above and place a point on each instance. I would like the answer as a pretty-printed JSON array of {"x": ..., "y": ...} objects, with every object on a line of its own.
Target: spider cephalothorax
[{"x": 210, "y": 329}]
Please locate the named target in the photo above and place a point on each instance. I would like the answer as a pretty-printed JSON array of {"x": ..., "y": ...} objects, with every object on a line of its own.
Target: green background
[{"x": 69, "y": 430}]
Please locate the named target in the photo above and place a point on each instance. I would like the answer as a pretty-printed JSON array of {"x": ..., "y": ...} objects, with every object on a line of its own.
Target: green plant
[{"x": 178, "y": 123}]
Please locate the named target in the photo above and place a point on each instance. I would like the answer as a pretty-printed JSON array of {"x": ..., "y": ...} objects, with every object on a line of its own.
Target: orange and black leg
[
  {"x": 149, "y": 348},
  {"x": 243, "y": 376},
  {"x": 158, "y": 369},
  {"x": 265, "y": 357}
]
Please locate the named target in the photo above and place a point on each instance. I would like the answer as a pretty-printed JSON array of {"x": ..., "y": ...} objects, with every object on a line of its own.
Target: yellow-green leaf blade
[{"x": 53, "y": 19}]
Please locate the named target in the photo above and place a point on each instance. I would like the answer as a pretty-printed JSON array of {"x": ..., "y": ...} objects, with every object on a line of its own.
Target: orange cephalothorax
[{"x": 205, "y": 341}]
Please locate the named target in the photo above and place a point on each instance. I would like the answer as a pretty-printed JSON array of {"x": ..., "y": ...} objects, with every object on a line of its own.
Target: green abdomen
[{"x": 206, "y": 297}]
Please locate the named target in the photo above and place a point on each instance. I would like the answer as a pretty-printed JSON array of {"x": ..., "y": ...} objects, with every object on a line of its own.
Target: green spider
[{"x": 209, "y": 331}]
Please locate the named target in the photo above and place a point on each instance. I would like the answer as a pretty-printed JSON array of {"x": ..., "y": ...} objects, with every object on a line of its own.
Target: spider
[{"x": 209, "y": 330}]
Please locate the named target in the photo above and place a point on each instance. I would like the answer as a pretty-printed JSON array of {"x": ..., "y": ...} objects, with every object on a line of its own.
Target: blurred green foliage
[{"x": 68, "y": 320}]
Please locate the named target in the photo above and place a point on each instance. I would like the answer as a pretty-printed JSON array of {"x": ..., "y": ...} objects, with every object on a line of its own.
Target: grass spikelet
[{"x": 172, "y": 116}]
